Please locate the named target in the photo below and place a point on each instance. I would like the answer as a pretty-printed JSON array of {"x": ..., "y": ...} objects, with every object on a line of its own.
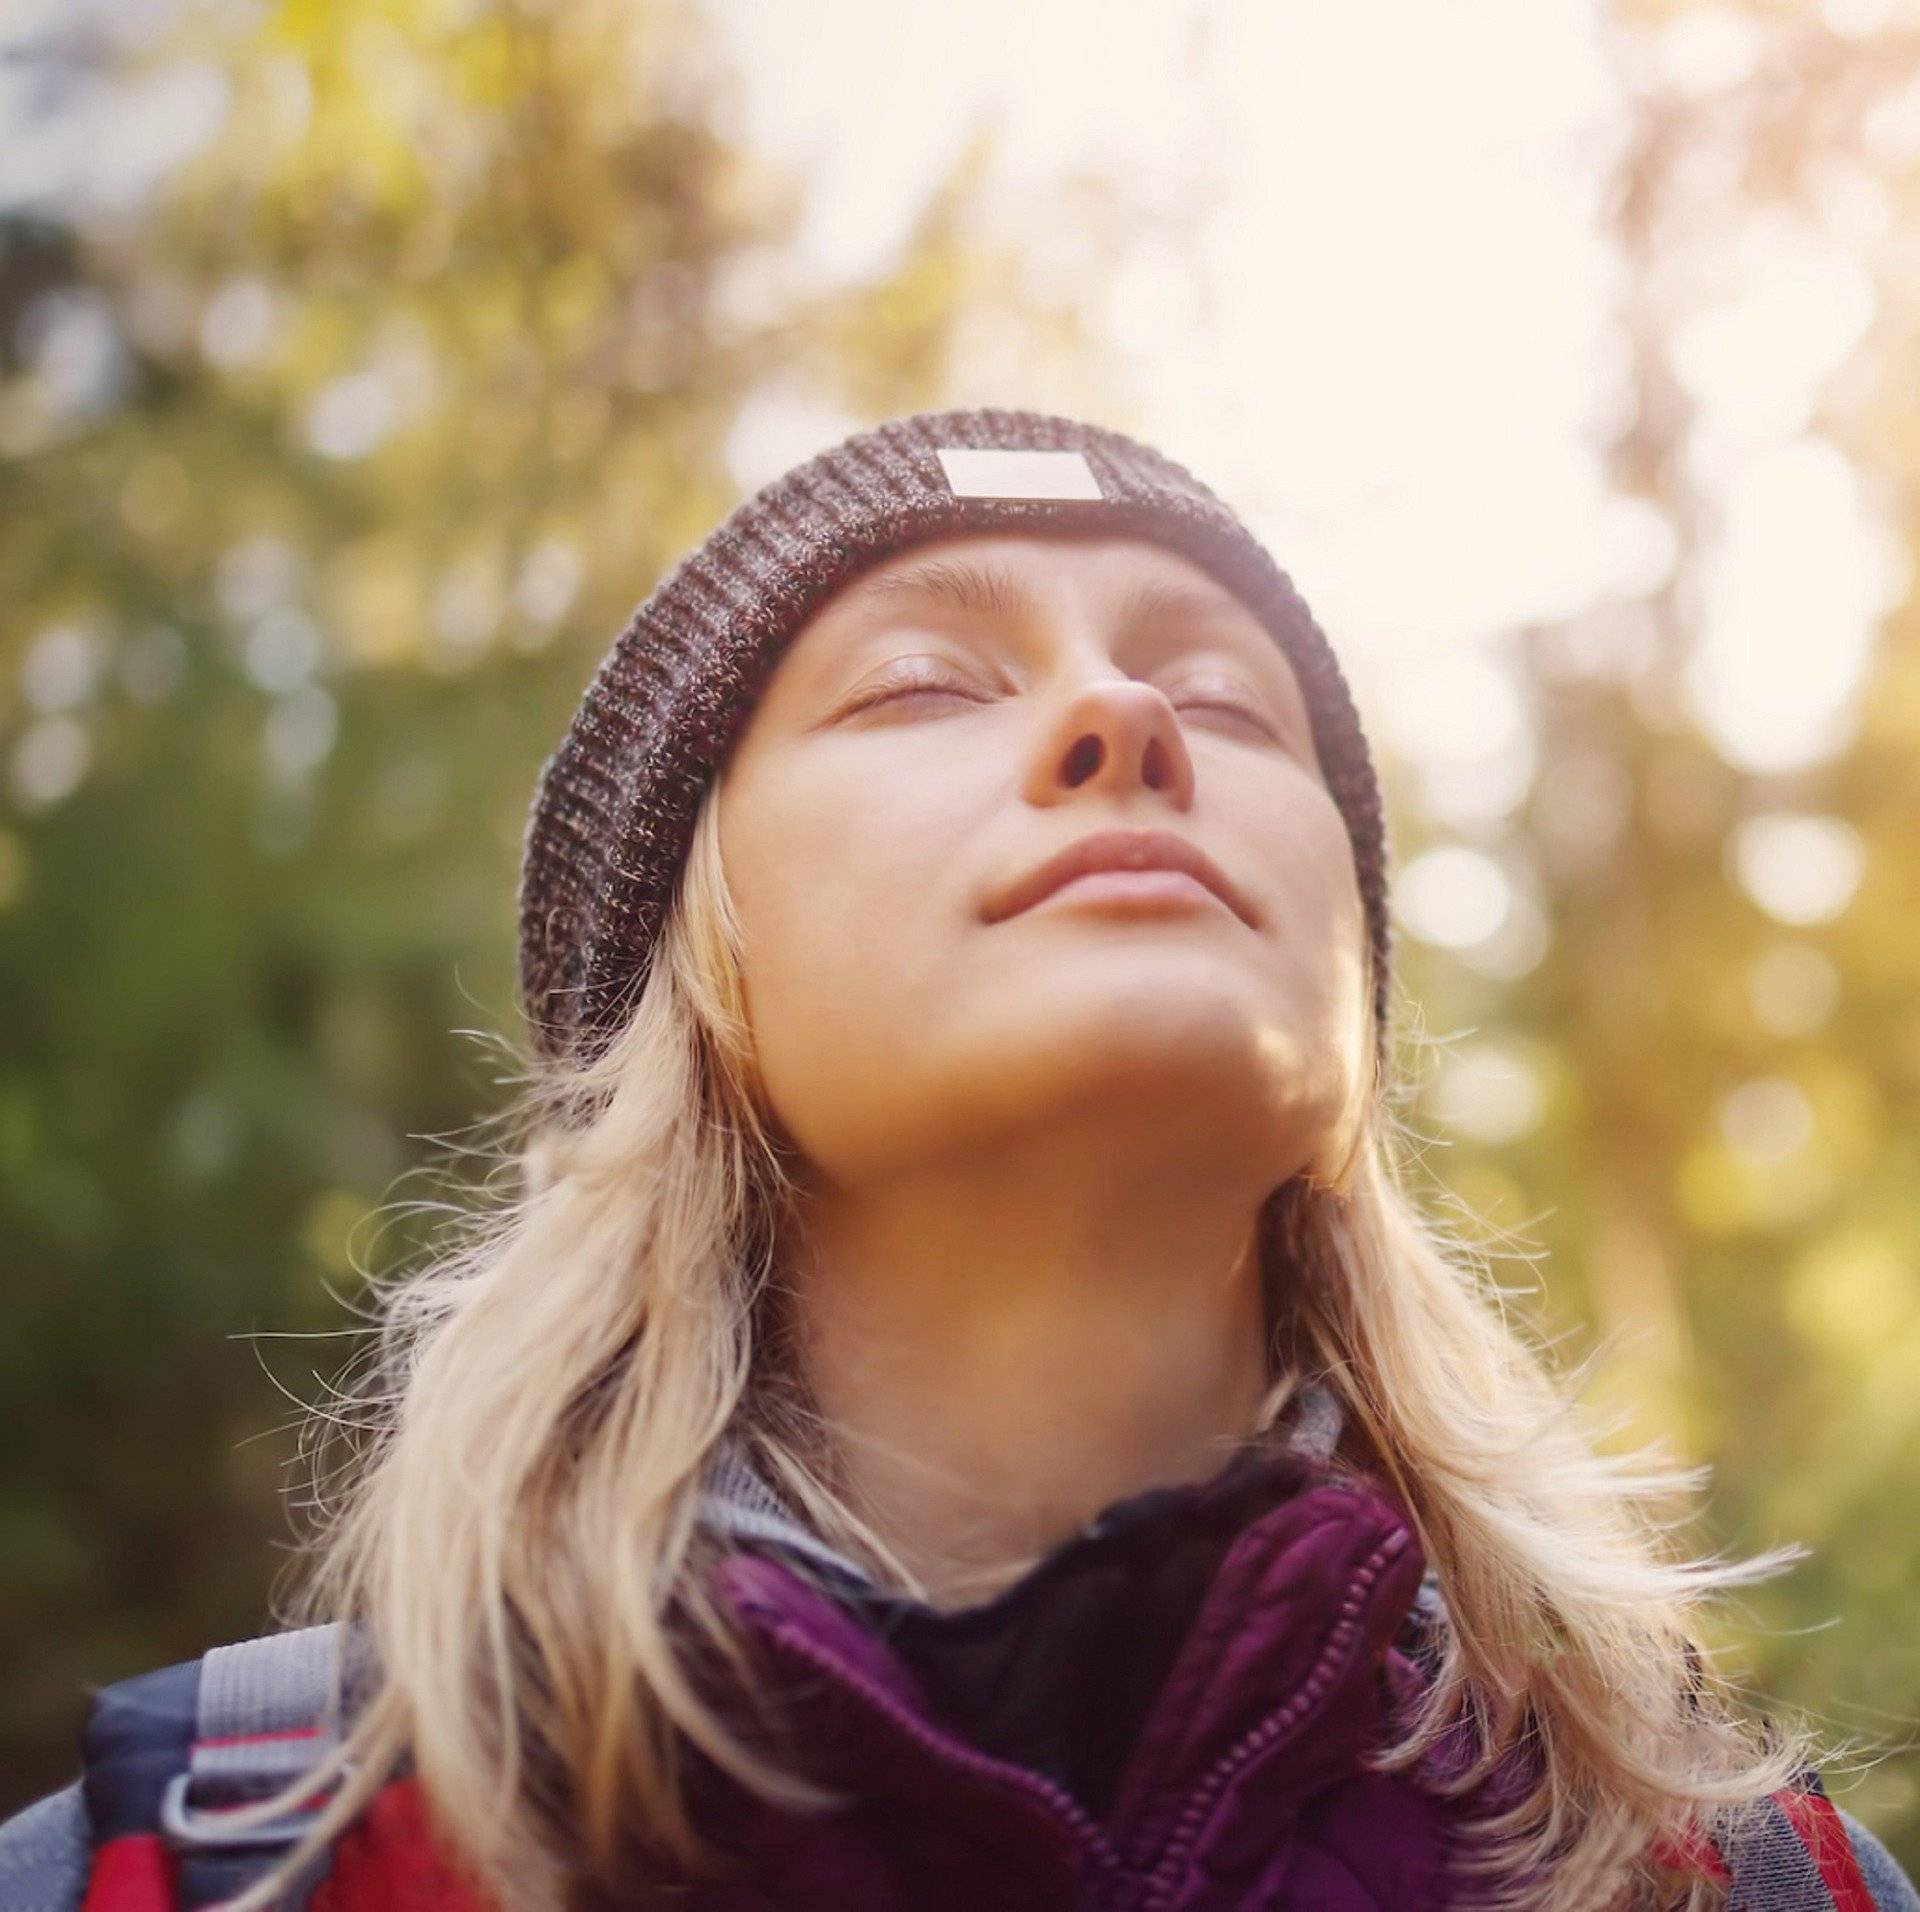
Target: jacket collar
[
  {"x": 1277, "y": 1670},
  {"x": 736, "y": 1499}
]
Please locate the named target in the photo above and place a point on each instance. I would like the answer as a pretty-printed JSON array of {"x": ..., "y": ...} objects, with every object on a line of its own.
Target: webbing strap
[
  {"x": 1816, "y": 1824},
  {"x": 1792, "y": 1854},
  {"x": 269, "y": 1710}
]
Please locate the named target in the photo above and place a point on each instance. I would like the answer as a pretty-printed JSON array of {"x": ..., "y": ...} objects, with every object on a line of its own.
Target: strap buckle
[{"x": 188, "y": 1825}]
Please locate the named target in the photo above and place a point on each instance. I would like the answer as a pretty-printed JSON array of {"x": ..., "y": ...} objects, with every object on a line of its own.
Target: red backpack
[{"x": 169, "y": 1755}]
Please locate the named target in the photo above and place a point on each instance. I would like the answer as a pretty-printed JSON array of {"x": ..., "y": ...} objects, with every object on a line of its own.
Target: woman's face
[{"x": 952, "y": 719}]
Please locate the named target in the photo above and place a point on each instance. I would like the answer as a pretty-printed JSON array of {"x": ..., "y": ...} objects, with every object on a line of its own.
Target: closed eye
[
  {"x": 921, "y": 684},
  {"x": 1234, "y": 706},
  {"x": 925, "y": 683}
]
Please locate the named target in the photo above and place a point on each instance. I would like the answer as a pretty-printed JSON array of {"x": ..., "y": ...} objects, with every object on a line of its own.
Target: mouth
[{"x": 1150, "y": 866}]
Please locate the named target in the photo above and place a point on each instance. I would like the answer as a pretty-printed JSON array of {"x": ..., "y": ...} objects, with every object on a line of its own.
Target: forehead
[{"x": 1039, "y": 566}]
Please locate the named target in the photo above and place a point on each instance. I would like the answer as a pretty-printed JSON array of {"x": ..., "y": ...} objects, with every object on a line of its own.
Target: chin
[
  {"x": 1193, "y": 1052},
  {"x": 1139, "y": 1086},
  {"x": 1141, "y": 1000}
]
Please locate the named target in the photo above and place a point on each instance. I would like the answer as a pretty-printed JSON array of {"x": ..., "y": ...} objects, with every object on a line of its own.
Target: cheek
[
  {"x": 1318, "y": 923},
  {"x": 843, "y": 924},
  {"x": 783, "y": 890}
]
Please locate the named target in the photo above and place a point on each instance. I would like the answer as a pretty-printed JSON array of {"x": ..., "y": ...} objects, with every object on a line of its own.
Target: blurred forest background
[{"x": 361, "y": 365}]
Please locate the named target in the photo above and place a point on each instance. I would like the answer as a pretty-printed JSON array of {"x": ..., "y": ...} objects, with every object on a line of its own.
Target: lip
[{"x": 1120, "y": 850}]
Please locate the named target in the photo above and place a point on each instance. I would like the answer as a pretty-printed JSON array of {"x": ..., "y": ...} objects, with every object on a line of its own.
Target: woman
[{"x": 955, "y": 1409}]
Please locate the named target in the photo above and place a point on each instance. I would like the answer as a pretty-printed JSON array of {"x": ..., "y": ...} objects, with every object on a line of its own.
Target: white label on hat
[{"x": 1017, "y": 472}]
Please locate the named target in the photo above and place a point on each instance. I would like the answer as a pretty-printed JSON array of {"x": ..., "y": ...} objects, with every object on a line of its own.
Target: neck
[{"x": 1000, "y": 1357}]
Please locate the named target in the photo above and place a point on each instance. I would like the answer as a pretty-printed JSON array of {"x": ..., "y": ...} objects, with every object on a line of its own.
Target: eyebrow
[{"x": 985, "y": 590}]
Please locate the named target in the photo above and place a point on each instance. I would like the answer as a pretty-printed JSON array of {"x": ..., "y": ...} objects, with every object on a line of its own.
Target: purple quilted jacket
[{"x": 1171, "y": 1710}]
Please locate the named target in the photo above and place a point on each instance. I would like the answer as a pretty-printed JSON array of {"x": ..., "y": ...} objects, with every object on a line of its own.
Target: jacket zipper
[
  {"x": 1054, "y": 1800},
  {"x": 1110, "y": 1874},
  {"x": 1167, "y": 1872}
]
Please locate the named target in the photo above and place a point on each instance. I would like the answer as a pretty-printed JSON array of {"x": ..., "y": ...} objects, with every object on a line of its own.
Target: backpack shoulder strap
[
  {"x": 45, "y": 1853},
  {"x": 1802, "y": 1844},
  {"x": 168, "y": 1753},
  {"x": 1791, "y": 1853},
  {"x": 1892, "y": 1890}
]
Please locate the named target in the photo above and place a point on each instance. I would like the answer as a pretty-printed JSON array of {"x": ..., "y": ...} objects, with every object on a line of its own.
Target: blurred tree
[
  {"x": 1690, "y": 1066},
  {"x": 344, "y": 417}
]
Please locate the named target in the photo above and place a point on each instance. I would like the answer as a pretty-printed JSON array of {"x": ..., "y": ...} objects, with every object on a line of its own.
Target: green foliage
[{"x": 392, "y": 400}]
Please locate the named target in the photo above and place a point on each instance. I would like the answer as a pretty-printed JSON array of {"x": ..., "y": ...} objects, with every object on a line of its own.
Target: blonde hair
[{"x": 516, "y": 1533}]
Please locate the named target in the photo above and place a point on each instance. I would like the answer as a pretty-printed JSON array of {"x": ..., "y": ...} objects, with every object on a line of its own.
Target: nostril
[{"x": 1084, "y": 759}]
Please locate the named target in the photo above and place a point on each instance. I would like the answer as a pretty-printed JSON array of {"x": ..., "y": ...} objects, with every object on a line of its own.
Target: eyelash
[{"x": 892, "y": 691}]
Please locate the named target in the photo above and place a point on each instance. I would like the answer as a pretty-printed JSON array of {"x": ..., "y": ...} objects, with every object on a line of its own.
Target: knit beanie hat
[{"x": 614, "y": 810}]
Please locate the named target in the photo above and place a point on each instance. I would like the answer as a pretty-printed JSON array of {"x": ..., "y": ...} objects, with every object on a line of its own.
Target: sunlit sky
[{"x": 1385, "y": 326}]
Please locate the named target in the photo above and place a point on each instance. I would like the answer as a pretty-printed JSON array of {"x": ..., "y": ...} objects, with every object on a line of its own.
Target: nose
[{"x": 1115, "y": 734}]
